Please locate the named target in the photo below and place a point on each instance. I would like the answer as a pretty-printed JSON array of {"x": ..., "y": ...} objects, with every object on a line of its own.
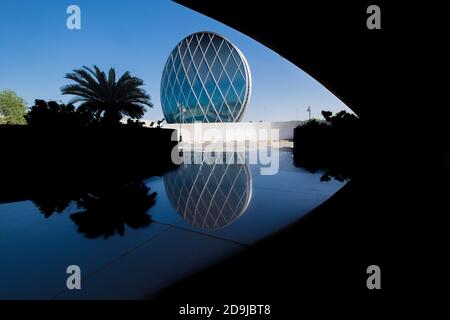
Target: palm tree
[{"x": 105, "y": 98}]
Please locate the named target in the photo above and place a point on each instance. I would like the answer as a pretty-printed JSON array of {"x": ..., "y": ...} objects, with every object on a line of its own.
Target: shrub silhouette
[
  {"x": 51, "y": 114},
  {"x": 331, "y": 145}
]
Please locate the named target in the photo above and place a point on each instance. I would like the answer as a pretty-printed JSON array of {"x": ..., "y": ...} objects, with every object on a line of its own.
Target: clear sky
[{"x": 37, "y": 49}]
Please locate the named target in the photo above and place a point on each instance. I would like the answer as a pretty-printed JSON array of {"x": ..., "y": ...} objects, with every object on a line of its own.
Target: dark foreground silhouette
[
  {"x": 38, "y": 162},
  {"x": 332, "y": 146},
  {"x": 97, "y": 172}
]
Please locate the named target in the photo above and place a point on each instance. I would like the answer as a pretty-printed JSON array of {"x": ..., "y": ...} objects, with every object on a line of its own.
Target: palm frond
[{"x": 101, "y": 94}]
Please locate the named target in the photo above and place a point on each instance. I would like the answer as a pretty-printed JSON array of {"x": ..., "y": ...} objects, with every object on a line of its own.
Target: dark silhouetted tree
[
  {"x": 331, "y": 145},
  {"x": 105, "y": 98},
  {"x": 341, "y": 120},
  {"x": 52, "y": 114}
]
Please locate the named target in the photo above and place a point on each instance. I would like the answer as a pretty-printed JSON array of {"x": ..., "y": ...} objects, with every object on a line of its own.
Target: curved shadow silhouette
[{"x": 210, "y": 195}]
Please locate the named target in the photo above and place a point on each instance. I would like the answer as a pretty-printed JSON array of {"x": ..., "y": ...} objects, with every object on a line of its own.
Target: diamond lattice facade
[
  {"x": 208, "y": 195},
  {"x": 206, "y": 79}
]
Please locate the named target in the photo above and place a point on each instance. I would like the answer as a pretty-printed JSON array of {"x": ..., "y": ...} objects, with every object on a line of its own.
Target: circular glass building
[{"x": 206, "y": 79}]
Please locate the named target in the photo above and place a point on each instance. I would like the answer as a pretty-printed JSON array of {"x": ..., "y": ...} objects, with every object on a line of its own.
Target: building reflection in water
[{"x": 210, "y": 195}]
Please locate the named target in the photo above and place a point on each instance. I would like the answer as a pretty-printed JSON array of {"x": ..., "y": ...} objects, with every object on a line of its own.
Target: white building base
[{"x": 235, "y": 131}]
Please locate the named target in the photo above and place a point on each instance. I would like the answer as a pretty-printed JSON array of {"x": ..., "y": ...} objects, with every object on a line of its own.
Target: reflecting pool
[{"x": 133, "y": 239}]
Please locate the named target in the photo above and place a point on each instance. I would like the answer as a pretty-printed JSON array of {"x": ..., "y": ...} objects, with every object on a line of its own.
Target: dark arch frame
[{"x": 328, "y": 40}]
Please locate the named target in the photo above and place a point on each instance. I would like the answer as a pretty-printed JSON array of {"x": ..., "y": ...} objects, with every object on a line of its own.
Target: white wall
[
  {"x": 286, "y": 128},
  {"x": 234, "y": 131}
]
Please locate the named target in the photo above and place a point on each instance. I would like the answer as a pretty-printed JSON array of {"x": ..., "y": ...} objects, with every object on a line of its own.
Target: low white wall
[
  {"x": 236, "y": 131},
  {"x": 286, "y": 128}
]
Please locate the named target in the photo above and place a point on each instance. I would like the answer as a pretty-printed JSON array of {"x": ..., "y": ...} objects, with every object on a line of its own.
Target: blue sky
[{"x": 37, "y": 49}]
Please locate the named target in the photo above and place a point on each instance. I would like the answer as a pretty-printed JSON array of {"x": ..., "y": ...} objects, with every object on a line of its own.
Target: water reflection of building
[{"x": 210, "y": 195}]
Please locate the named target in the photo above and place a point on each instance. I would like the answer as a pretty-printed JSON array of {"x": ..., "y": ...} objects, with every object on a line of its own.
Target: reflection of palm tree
[
  {"x": 108, "y": 211},
  {"x": 107, "y": 208},
  {"x": 105, "y": 98},
  {"x": 50, "y": 205}
]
